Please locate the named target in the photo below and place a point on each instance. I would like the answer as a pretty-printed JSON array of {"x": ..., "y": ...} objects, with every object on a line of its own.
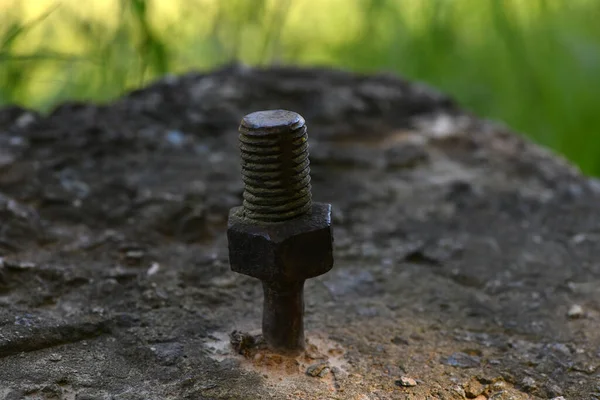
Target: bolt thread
[{"x": 275, "y": 166}]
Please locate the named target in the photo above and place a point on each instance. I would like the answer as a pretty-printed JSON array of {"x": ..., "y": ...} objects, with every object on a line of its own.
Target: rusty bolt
[{"x": 279, "y": 235}]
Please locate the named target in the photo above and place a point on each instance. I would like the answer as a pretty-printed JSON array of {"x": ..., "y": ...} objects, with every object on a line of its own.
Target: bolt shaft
[
  {"x": 275, "y": 166},
  {"x": 283, "y": 315}
]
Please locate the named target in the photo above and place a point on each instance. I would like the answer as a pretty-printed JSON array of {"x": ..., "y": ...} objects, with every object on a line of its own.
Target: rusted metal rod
[{"x": 279, "y": 235}]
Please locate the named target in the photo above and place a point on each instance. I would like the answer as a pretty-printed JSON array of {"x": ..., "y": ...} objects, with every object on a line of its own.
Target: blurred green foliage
[{"x": 534, "y": 64}]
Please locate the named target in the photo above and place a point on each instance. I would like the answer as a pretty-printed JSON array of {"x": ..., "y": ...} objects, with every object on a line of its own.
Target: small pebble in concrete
[
  {"x": 175, "y": 138},
  {"x": 405, "y": 381},
  {"x": 576, "y": 311},
  {"x": 134, "y": 255},
  {"x": 462, "y": 360},
  {"x": 154, "y": 267},
  {"x": 17, "y": 265},
  {"x": 318, "y": 370},
  {"x": 553, "y": 390},
  {"x": 399, "y": 340},
  {"x": 528, "y": 383},
  {"x": 473, "y": 388},
  {"x": 460, "y": 391}
]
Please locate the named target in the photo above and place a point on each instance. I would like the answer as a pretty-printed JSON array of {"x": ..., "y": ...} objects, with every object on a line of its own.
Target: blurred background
[{"x": 533, "y": 64}]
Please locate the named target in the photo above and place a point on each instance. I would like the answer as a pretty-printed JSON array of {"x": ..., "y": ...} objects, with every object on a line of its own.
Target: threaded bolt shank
[{"x": 275, "y": 166}]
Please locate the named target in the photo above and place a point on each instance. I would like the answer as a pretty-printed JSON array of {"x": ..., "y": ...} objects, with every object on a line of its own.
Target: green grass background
[{"x": 534, "y": 64}]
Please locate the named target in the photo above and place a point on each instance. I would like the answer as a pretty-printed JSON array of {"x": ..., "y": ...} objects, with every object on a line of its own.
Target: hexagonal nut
[{"x": 293, "y": 250}]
